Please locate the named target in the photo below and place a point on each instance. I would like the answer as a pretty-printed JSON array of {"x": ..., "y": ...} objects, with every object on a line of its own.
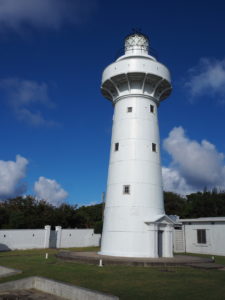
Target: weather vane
[{"x": 136, "y": 30}]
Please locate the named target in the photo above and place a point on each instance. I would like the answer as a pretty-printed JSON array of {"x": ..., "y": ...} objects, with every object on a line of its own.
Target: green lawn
[{"x": 123, "y": 281}]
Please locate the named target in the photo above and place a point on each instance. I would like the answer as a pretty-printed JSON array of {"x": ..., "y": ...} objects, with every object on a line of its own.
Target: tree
[
  {"x": 206, "y": 204},
  {"x": 175, "y": 204},
  {"x": 28, "y": 212}
]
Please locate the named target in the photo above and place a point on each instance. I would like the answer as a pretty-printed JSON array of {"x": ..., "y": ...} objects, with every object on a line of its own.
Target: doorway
[{"x": 160, "y": 243}]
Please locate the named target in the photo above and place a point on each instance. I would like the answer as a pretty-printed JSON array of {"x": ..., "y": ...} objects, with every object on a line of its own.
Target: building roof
[{"x": 208, "y": 219}]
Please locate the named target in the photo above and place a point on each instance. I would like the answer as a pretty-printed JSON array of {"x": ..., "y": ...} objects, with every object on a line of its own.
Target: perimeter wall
[{"x": 12, "y": 239}]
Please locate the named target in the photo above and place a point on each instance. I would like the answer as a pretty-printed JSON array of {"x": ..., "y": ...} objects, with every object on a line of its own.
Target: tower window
[
  {"x": 126, "y": 189},
  {"x": 153, "y": 147},
  {"x": 116, "y": 147},
  {"x": 152, "y": 108},
  {"x": 201, "y": 236},
  {"x": 129, "y": 109}
]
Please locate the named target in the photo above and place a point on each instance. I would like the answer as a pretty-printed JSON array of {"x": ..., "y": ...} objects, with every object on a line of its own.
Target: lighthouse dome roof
[{"x": 137, "y": 41}]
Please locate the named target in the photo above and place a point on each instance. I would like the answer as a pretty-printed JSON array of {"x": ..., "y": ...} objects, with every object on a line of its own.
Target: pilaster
[
  {"x": 58, "y": 230},
  {"x": 47, "y": 236}
]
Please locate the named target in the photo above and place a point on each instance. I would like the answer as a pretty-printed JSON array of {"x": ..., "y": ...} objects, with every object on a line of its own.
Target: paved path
[{"x": 94, "y": 258}]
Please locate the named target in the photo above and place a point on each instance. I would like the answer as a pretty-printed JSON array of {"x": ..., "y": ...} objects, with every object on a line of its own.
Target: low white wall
[
  {"x": 11, "y": 239},
  {"x": 54, "y": 288},
  {"x": 215, "y": 238},
  {"x": 67, "y": 238}
]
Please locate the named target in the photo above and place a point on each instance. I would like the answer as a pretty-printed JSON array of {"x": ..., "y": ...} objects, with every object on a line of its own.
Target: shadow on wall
[{"x": 4, "y": 247}]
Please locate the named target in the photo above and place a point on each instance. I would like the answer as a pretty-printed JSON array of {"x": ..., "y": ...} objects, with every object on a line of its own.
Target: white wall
[
  {"x": 215, "y": 238},
  {"x": 11, "y": 239},
  {"x": 68, "y": 238},
  {"x": 185, "y": 240}
]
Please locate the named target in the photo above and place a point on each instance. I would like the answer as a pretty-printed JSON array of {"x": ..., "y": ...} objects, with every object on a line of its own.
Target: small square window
[
  {"x": 129, "y": 109},
  {"x": 126, "y": 189},
  {"x": 152, "y": 108},
  {"x": 153, "y": 147},
  {"x": 201, "y": 236},
  {"x": 116, "y": 147}
]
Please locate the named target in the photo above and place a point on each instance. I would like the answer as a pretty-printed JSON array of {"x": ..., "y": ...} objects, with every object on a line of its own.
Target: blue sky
[{"x": 55, "y": 124}]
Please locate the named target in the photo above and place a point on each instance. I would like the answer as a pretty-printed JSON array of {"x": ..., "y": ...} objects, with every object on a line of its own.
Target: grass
[{"x": 126, "y": 282}]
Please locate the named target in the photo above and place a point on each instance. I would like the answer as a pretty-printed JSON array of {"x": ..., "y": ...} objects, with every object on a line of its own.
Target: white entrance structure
[{"x": 135, "y": 224}]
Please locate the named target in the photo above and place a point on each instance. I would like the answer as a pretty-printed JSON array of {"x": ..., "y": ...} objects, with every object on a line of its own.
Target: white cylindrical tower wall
[
  {"x": 135, "y": 162},
  {"x": 135, "y": 83}
]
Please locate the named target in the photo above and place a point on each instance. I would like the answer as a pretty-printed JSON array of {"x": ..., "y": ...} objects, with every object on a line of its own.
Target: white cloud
[
  {"x": 25, "y": 97},
  {"x": 194, "y": 165},
  {"x": 11, "y": 175},
  {"x": 50, "y": 190},
  {"x": 207, "y": 78},
  {"x": 52, "y": 14},
  {"x": 174, "y": 182}
]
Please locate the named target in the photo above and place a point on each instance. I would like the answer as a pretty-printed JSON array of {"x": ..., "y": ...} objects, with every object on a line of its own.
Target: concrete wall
[
  {"x": 54, "y": 288},
  {"x": 185, "y": 240},
  {"x": 67, "y": 238},
  {"x": 11, "y": 239},
  {"x": 215, "y": 238}
]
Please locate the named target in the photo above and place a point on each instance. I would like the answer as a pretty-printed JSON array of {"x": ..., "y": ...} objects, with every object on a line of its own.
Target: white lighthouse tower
[{"x": 135, "y": 224}]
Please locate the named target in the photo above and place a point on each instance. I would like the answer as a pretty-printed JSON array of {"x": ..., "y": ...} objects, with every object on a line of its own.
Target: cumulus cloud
[
  {"x": 207, "y": 78},
  {"x": 194, "y": 165},
  {"x": 52, "y": 14},
  {"x": 50, "y": 190},
  {"x": 174, "y": 182},
  {"x": 11, "y": 176},
  {"x": 25, "y": 98}
]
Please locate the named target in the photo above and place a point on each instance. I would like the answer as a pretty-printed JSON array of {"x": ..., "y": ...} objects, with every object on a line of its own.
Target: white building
[
  {"x": 135, "y": 224},
  {"x": 201, "y": 235}
]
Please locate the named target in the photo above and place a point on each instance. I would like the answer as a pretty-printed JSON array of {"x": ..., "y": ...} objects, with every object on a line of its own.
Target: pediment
[{"x": 160, "y": 219}]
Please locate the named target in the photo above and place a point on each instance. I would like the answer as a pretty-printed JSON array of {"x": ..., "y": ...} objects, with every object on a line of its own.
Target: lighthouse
[{"x": 135, "y": 224}]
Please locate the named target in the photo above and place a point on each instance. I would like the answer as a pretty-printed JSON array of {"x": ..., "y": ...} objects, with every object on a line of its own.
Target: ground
[{"x": 123, "y": 281}]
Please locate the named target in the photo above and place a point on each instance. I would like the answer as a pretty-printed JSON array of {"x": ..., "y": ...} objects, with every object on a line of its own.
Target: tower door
[{"x": 160, "y": 243}]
